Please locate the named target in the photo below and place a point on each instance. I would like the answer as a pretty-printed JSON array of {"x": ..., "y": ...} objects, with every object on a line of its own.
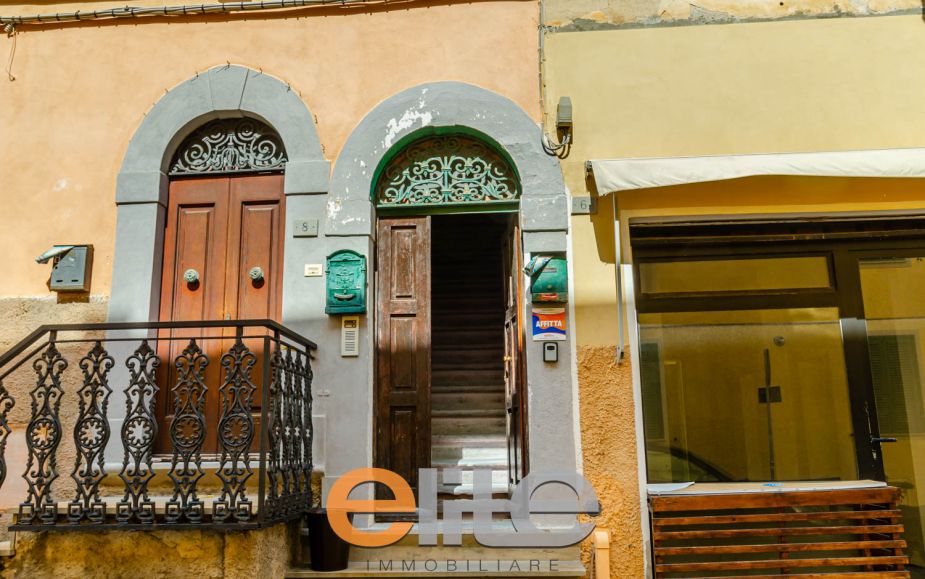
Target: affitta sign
[{"x": 564, "y": 494}]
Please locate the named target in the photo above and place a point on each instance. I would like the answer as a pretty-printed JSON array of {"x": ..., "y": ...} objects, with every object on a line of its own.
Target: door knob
[
  {"x": 881, "y": 439},
  {"x": 191, "y": 276},
  {"x": 256, "y": 273}
]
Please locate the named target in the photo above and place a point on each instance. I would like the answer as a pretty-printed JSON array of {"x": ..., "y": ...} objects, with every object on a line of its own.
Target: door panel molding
[{"x": 403, "y": 344}]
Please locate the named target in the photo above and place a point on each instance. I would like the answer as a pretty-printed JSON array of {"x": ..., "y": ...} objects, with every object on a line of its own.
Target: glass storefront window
[
  {"x": 893, "y": 290},
  {"x": 755, "y": 395}
]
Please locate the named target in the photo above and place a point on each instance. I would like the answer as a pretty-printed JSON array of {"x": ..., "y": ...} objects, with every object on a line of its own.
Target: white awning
[{"x": 612, "y": 175}]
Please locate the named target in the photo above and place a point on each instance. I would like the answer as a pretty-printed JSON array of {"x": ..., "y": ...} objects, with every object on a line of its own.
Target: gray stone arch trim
[
  {"x": 443, "y": 105},
  {"x": 350, "y": 222},
  {"x": 141, "y": 186},
  {"x": 222, "y": 92}
]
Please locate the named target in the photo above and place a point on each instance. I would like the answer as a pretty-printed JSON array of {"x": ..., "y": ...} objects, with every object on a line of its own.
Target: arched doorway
[
  {"x": 448, "y": 332},
  {"x": 223, "y": 252}
]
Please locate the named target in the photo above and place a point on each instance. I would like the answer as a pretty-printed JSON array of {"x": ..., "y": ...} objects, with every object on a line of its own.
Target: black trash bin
[{"x": 328, "y": 551}]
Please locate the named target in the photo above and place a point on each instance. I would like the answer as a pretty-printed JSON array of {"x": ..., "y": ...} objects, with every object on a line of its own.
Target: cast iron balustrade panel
[{"x": 260, "y": 475}]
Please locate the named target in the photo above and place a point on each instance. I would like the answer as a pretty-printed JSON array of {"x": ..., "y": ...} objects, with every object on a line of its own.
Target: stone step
[
  {"x": 468, "y": 388},
  {"x": 488, "y": 454},
  {"x": 444, "y": 567},
  {"x": 495, "y": 461},
  {"x": 466, "y": 413},
  {"x": 469, "y": 441},
  {"x": 451, "y": 363},
  {"x": 459, "y": 377},
  {"x": 477, "y": 403},
  {"x": 499, "y": 481},
  {"x": 475, "y": 396},
  {"x": 468, "y": 425}
]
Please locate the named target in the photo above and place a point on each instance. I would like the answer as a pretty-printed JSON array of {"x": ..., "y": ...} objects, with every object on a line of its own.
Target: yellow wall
[
  {"x": 81, "y": 91},
  {"x": 784, "y": 86},
  {"x": 788, "y": 85}
]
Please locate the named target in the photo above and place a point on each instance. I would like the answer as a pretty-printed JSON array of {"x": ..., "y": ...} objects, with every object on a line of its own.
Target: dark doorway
[{"x": 468, "y": 411}]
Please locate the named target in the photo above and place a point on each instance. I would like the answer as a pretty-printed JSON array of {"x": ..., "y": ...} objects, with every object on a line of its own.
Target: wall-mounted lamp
[{"x": 564, "y": 123}]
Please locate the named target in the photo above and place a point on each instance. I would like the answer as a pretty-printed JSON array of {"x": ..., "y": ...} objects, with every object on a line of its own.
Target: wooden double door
[
  {"x": 405, "y": 321},
  {"x": 220, "y": 230}
]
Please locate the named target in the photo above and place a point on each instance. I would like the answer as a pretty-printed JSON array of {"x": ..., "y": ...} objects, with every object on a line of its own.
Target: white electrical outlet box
[{"x": 350, "y": 336}]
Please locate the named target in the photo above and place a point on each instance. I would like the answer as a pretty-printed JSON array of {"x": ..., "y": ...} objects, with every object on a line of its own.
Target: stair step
[
  {"x": 467, "y": 388},
  {"x": 499, "y": 482},
  {"x": 467, "y": 400},
  {"x": 468, "y": 440},
  {"x": 441, "y": 364},
  {"x": 480, "y": 425},
  {"x": 467, "y": 413},
  {"x": 485, "y": 455},
  {"x": 442, "y": 377},
  {"x": 469, "y": 463}
]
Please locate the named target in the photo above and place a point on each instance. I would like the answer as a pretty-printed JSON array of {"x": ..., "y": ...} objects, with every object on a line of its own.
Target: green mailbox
[
  {"x": 346, "y": 283},
  {"x": 548, "y": 279}
]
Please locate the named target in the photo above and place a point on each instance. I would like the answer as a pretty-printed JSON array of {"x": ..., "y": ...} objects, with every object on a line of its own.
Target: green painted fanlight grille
[{"x": 447, "y": 171}]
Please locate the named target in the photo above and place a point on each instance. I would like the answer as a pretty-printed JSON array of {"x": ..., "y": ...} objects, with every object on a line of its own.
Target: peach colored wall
[
  {"x": 81, "y": 91},
  {"x": 609, "y": 454}
]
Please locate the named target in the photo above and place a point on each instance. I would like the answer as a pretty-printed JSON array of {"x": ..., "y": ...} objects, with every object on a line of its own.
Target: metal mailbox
[
  {"x": 345, "y": 285},
  {"x": 73, "y": 265},
  {"x": 548, "y": 279}
]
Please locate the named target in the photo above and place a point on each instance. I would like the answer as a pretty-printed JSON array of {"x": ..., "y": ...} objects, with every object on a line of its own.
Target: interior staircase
[{"x": 468, "y": 416}]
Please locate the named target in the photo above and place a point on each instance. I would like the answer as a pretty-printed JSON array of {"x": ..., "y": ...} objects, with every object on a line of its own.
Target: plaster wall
[
  {"x": 81, "y": 91},
  {"x": 609, "y": 454},
  {"x": 784, "y": 86}
]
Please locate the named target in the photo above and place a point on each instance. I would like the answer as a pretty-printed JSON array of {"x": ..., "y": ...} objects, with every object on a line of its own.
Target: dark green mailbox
[
  {"x": 548, "y": 279},
  {"x": 346, "y": 283}
]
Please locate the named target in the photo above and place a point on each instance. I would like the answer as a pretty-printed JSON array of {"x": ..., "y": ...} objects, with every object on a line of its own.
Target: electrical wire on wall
[
  {"x": 10, "y": 31},
  {"x": 182, "y": 10},
  {"x": 562, "y": 148}
]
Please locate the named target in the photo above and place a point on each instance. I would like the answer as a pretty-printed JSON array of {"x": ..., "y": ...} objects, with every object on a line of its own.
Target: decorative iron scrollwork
[
  {"x": 139, "y": 432},
  {"x": 187, "y": 433},
  {"x": 235, "y": 434},
  {"x": 6, "y": 404},
  {"x": 91, "y": 433},
  {"x": 275, "y": 487},
  {"x": 447, "y": 170},
  {"x": 230, "y": 146},
  {"x": 305, "y": 392},
  {"x": 43, "y": 435}
]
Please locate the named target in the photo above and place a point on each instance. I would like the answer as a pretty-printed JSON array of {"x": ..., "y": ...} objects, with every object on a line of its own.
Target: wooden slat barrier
[{"x": 805, "y": 534}]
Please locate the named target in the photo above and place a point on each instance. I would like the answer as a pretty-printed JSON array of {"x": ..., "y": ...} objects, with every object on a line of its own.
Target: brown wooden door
[
  {"x": 403, "y": 346},
  {"x": 221, "y": 228},
  {"x": 513, "y": 358}
]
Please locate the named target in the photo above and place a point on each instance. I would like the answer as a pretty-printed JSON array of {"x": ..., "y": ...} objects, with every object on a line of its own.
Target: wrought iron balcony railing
[{"x": 157, "y": 425}]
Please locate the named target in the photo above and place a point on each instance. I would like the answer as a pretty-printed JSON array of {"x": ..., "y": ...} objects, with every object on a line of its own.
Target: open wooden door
[
  {"x": 403, "y": 338},
  {"x": 513, "y": 356}
]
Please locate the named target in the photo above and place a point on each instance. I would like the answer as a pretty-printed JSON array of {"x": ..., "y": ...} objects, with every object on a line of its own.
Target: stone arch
[
  {"x": 446, "y": 105},
  {"x": 141, "y": 186}
]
